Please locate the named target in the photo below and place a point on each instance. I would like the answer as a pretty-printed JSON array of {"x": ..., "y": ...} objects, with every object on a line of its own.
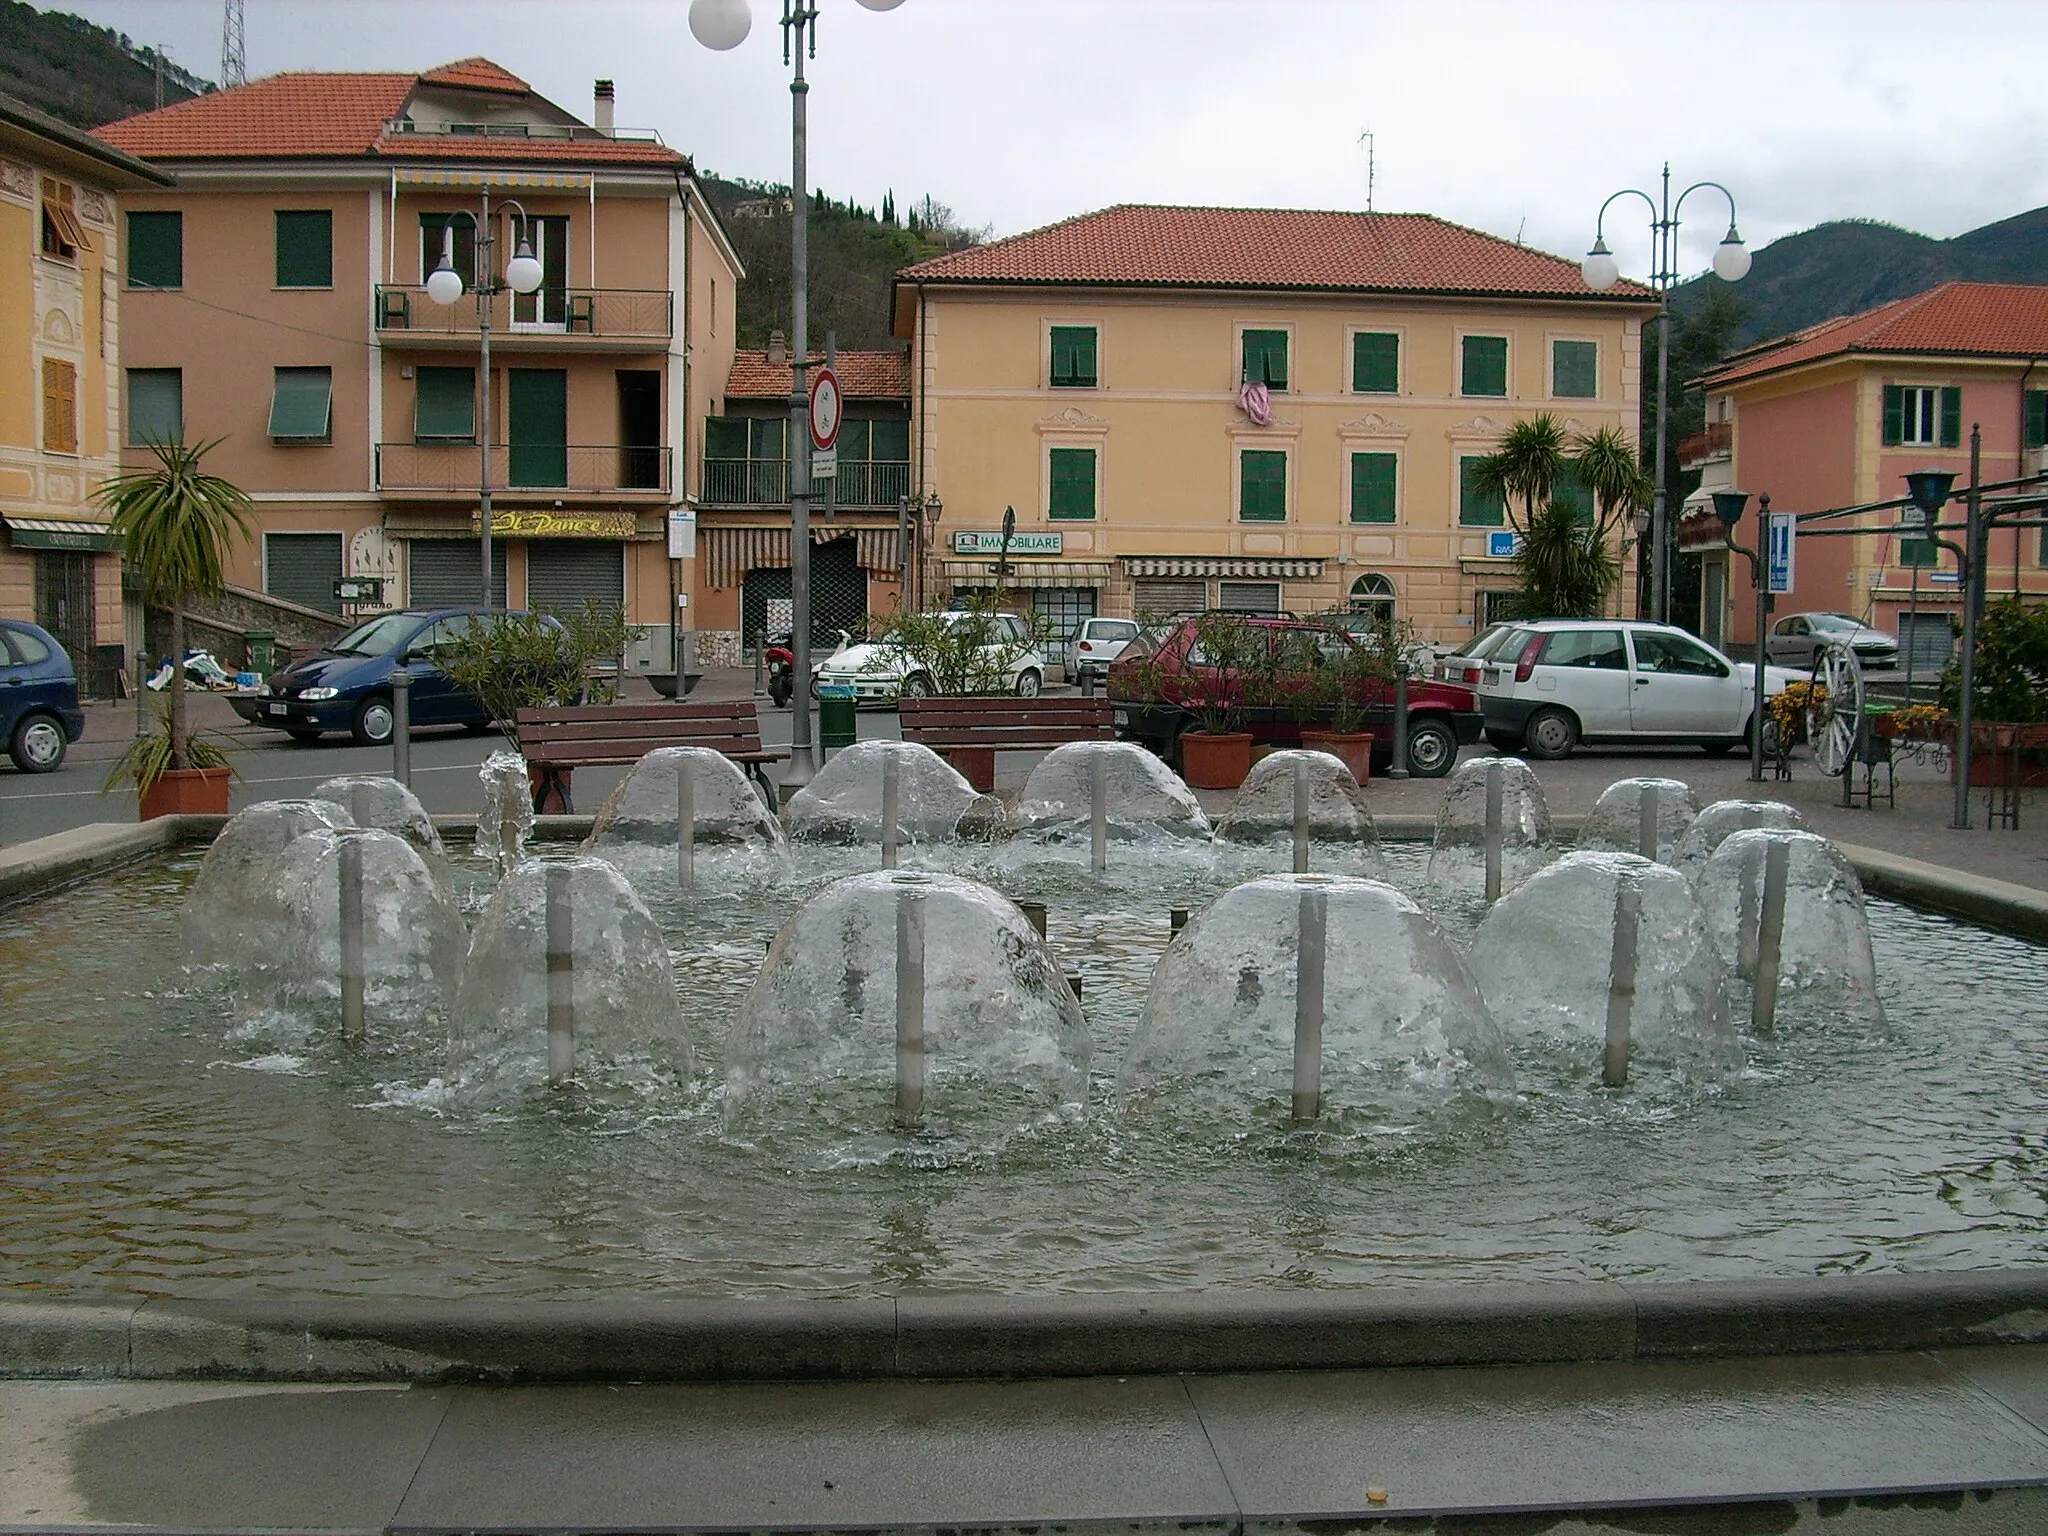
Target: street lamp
[
  {"x": 721, "y": 25},
  {"x": 1601, "y": 271},
  {"x": 523, "y": 274},
  {"x": 1728, "y": 507}
]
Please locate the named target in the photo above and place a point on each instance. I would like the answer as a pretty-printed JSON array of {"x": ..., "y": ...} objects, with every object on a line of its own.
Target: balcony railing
[
  {"x": 584, "y": 468},
  {"x": 764, "y": 482},
  {"x": 617, "y": 314}
]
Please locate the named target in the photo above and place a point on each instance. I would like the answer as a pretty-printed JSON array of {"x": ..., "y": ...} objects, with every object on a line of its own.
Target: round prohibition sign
[{"x": 824, "y": 408}]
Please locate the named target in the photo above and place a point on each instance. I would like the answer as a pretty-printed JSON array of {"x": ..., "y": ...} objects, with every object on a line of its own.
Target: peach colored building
[
  {"x": 277, "y": 303},
  {"x": 60, "y": 370},
  {"x": 1093, "y": 377},
  {"x": 1837, "y": 415}
]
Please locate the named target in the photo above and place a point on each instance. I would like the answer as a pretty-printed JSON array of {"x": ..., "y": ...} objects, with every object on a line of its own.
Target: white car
[
  {"x": 1549, "y": 684},
  {"x": 879, "y": 672},
  {"x": 1099, "y": 643}
]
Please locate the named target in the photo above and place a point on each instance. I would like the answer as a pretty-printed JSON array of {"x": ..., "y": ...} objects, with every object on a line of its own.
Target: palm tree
[
  {"x": 1607, "y": 465},
  {"x": 1564, "y": 566},
  {"x": 175, "y": 522},
  {"x": 1531, "y": 459}
]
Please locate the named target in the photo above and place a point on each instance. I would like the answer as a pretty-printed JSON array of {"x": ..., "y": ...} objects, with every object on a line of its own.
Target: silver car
[{"x": 1798, "y": 637}]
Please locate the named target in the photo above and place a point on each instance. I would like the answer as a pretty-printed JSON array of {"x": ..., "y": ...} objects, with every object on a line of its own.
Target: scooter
[{"x": 780, "y": 655}]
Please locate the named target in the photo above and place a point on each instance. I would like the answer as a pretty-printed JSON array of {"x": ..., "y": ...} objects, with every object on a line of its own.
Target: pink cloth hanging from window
[{"x": 1255, "y": 402}]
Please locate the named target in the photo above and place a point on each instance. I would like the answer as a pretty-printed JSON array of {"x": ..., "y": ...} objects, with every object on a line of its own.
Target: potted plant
[
  {"x": 1350, "y": 675},
  {"x": 1235, "y": 662},
  {"x": 2009, "y": 724},
  {"x": 175, "y": 521}
]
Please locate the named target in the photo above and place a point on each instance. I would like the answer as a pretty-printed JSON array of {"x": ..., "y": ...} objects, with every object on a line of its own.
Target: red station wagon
[{"x": 1442, "y": 717}]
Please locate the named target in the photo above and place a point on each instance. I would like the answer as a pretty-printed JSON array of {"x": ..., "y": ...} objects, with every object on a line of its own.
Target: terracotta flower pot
[
  {"x": 1351, "y": 748},
  {"x": 1215, "y": 762},
  {"x": 187, "y": 792}
]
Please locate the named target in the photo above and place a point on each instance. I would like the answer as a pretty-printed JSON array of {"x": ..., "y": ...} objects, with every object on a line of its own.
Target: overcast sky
[{"x": 1518, "y": 116}]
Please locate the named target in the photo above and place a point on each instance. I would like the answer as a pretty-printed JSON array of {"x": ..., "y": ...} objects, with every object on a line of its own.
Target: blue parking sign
[{"x": 1778, "y": 548}]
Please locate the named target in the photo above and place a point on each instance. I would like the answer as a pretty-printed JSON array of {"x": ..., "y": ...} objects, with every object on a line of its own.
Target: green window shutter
[
  {"x": 1376, "y": 363},
  {"x": 725, "y": 437},
  {"x": 537, "y": 426},
  {"x": 1073, "y": 483},
  {"x": 1475, "y": 508},
  {"x": 1485, "y": 370},
  {"x": 1262, "y": 486},
  {"x": 1894, "y": 414},
  {"x": 301, "y": 405},
  {"x": 156, "y": 406},
  {"x": 1574, "y": 493},
  {"x": 1951, "y": 417},
  {"x": 891, "y": 442},
  {"x": 305, "y": 249},
  {"x": 156, "y": 250},
  {"x": 444, "y": 403},
  {"x": 1265, "y": 358},
  {"x": 2037, "y": 418},
  {"x": 1918, "y": 552},
  {"x": 1073, "y": 357},
  {"x": 1575, "y": 369},
  {"x": 1372, "y": 487},
  {"x": 433, "y": 228},
  {"x": 769, "y": 438}
]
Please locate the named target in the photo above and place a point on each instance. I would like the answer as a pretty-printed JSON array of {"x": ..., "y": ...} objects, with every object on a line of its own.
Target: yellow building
[
  {"x": 1097, "y": 377},
  {"x": 60, "y": 378}
]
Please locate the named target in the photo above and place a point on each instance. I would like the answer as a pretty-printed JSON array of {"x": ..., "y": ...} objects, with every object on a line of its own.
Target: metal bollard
[
  {"x": 142, "y": 694},
  {"x": 1098, "y": 813},
  {"x": 1621, "y": 980},
  {"x": 909, "y": 1006},
  {"x": 892, "y": 807},
  {"x": 1398, "y": 768},
  {"x": 686, "y": 822},
  {"x": 1646, "y": 822},
  {"x": 1087, "y": 682},
  {"x": 1176, "y": 919},
  {"x": 760, "y": 662},
  {"x": 1034, "y": 914},
  {"x": 401, "y": 726},
  {"x": 1494, "y": 770},
  {"x": 1770, "y": 938},
  {"x": 352, "y": 1026},
  {"x": 561, "y": 942},
  {"x": 1313, "y": 927},
  {"x": 1301, "y": 815}
]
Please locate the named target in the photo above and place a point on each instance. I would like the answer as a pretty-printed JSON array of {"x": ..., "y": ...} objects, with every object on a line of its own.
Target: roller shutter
[
  {"x": 564, "y": 574},
  {"x": 1930, "y": 640},
  {"x": 442, "y": 573},
  {"x": 1161, "y": 599},
  {"x": 302, "y": 568}
]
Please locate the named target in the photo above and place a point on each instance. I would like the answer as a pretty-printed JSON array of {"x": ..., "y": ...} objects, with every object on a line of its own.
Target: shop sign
[
  {"x": 989, "y": 541},
  {"x": 562, "y": 525},
  {"x": 1502, "y": 545},
  {"x": 682, "y": 533}
]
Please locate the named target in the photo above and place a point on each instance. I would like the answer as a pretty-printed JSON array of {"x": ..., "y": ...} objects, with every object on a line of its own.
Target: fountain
[
  {"x": 230, "y": 918},
  {"x": 1302, "y": 798},
  {"x": 1098, "y": 792},
  {"x": 847, "y": 800},
  {"x": 377, "y": 800},
  {"x": 1647, "y": 817},
  {"x": 1726, "y": 816},
  {"x": 680, "y": 808},
  {"x": 1492, "y": 829},
  {"x": 504, "y": 824},
  {"x": 1785, "y": 910}
]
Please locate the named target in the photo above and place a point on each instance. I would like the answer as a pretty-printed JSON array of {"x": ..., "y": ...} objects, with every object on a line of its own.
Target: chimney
[
  {"x": 603, "y": 114},
  {"x": 778, "y": 348}
]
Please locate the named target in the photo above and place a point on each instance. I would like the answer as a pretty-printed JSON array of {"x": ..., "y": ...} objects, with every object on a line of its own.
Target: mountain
[{"x": 80, "y": 73}]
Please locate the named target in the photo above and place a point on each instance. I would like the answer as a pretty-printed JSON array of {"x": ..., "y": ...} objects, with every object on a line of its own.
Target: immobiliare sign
[{"x": 989, "y": 541}]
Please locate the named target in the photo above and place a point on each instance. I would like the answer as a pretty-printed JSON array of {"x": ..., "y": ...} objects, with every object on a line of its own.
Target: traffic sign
[
  {"x": 824, "y": 409},
  {"x": 1778, "y": 548}
]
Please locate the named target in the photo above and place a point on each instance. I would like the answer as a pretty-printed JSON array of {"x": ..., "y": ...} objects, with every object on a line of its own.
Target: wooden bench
[
  {"x": 969, "y": 731},
  {"x": 556, "y": 742}
]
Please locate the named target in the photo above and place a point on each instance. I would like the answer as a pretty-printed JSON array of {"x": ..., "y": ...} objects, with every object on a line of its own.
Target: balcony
[
  {"x": 538, "y": 472},
  {"x": 764, "y": 483},
  {"x": 594, "y": 319}
]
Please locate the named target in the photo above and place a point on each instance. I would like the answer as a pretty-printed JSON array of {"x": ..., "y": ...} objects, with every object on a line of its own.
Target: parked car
[
  {"x": 347, "y": 685},
  {"x": 39, "y": 713},
  {"x": 1466, "y": 664},
  {"x": 1441, "y": 717},
  {"x": 1796, "y": 640},
  {"x": 879, "y": 671},
  {"x": 1099, "y": 643},
  {"x": 1551, "y": 684}
]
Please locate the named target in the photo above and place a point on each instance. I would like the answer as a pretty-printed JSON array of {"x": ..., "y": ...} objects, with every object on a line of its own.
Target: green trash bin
[
  {"x": 261, "y": 647},
  {"x": 835, "y": 717}
]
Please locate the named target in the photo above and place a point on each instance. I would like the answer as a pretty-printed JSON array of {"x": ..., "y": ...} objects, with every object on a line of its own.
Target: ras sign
[{"x": 989, "y": 541}]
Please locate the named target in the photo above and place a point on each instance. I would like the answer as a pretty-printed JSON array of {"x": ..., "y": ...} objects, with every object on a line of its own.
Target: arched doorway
[{"x": 1373, "y": 596}]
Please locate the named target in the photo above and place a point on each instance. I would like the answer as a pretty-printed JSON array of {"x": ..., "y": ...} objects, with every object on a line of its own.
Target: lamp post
[
  {"x": 523, "y": 274},
  {"x": 1728, "y": 507},
  {"x": 721, "y": 25},
  {"x": 1731, "y": 262},
  {"x": 1930, "y": 490}
]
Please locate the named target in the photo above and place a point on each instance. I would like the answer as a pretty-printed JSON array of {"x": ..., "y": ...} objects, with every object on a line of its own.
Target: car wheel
[
  {"x": 301, "y": 735},
  {"x": 1028, "y": 684},
  {"x": 372, "y": 727},
  {"x": 38, "y": 745},
  {"x": 915, "y": 686},
  {"x": 778, "y": 692},
  {"x": 1550, "y": 734},
  {"x": 1720, "y": 748},
  {"x": 1504, "y": 741},
  {"x": 1772, "y": 731},
  {"x": 1432, "y": 749}
]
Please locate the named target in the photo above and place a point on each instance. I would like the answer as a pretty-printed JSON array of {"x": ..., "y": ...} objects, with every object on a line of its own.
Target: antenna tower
[
  {"x": 234, "y": 65},
  {"x": 1365, "y": 138}
]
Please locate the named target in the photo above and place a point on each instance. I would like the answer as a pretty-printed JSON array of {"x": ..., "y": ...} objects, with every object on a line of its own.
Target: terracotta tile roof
[
  {"x": 862, "y": 376},
  {"x": 1141, "y": 245},
  {"x": 332, "y": 116},
  {"x": 1968, "y": 319}
]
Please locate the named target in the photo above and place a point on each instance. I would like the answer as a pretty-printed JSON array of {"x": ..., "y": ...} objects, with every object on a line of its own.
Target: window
[
  {"x": 1373, "y": 594},
  {"x": 1659, "y": 652},
  {"x": 1574, "y": 369},
  {"x": 1919, "y": 552},
  {"x": 1262, "y": 486},
  {"x": 1073, "y": 357},
  {"x": 2037, "y": 418},
  {"x": 305, "y": 249},
  {"x": 435, "y": 231},
  {"x": 301, "y": 406},
  {"x": 1477, "y": 508},
  {"x": 60, "y": 406},
  {"x": 444, "y": 405},
  {"x": 1372, "y": 487},
  {"x": 156, "y": 406},
  {"x": 1376, "y": 363},
  {"x": 63, "y": 236},
  {"x": 1265, "y": 358},
  {"x": 156, "y": 250},
  {"x": 1495, "y": 605},
  {"x": 1573, "y": 492},
  {"x": 1073, "y": 483},
  {"x": 1923, "y": 416},
  {"x": 1485, "y": 370},
  {"x": 1601, "y": 648}
]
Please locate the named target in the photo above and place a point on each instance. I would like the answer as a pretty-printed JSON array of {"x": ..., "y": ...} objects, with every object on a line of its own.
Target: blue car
[
  {"x": 347, "y": 686},
  {"x": 39, "y": 713}
]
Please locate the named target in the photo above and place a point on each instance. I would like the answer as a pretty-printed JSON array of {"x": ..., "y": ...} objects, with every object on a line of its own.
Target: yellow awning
[{"x": 561, "y": 181}]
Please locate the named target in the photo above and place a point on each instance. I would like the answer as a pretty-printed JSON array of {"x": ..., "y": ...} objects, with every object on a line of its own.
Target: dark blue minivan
[
  {"x": 39, "y": 713},
  {"x": 347, "y": 686}
]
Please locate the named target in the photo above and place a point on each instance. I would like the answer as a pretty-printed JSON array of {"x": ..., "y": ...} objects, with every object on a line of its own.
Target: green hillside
[{"x": 80, "y": 73}]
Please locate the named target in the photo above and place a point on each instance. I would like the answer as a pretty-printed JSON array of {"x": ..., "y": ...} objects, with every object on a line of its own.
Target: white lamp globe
[
  {"x": 1600, "y": 269},
  {"x": 444, "y": 285},
  {"x": 881, "y": 5},
  {"x": 720, "y": 24},
  {"x": 522, "y": 272},
  {"x": 1731, "y": 258}
]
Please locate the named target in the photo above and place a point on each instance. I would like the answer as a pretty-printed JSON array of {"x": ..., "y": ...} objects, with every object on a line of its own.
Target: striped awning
[
  {"x": 59, "y": 533},
  {"x": 1229, "y": 566},
  {"x": 1029, "y": 573},
  {"x": 729, "y": 553},
  {"x": 561, "y": 181}
]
